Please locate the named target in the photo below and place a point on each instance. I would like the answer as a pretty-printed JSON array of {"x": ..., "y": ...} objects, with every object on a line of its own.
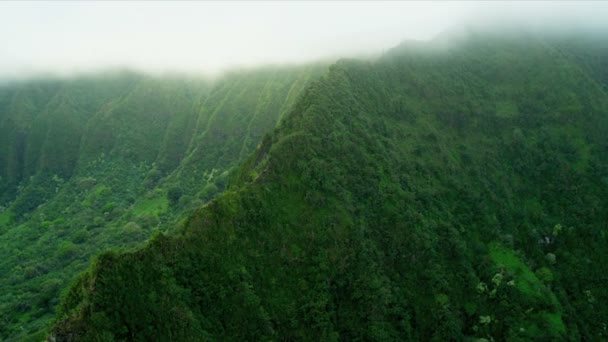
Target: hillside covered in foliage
[
  {"x": 450, "y": 190},
  {"x": 104, "y": 161}
]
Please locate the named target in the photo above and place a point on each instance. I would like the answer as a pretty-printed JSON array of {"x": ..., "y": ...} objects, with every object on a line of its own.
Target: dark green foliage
[
  {"x": 448, "y": 191},
  {"x": 174, "y": 194}
]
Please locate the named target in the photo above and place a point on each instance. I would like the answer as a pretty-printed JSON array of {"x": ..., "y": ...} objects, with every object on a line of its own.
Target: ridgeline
[{"x": 449, "y": 190}]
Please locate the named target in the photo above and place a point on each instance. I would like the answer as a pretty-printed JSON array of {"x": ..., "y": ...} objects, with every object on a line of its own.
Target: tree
[{"x": 174, "y": 194}]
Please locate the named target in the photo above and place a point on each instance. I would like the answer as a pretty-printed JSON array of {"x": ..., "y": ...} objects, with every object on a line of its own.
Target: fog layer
[{"x": 209, "y": 37}]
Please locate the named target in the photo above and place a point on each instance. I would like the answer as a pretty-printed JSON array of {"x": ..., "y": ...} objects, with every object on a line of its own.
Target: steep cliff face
[
  {"x": 103, "y": 161},
  {"x": 442, "y": 192}
]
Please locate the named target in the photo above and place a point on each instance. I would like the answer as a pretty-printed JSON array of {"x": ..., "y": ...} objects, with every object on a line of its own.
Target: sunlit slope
[
  {"x": 443, "y": 192},
  {"x": 103, "y": 161}
]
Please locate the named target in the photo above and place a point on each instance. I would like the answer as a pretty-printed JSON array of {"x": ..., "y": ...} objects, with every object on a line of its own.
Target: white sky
[{"x": 67, "y": 37}]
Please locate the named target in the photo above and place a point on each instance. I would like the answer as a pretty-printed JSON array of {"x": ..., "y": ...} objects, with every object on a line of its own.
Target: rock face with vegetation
[
  {"x": 104, "y": 161},
  {"x": 449, "y": 190}
]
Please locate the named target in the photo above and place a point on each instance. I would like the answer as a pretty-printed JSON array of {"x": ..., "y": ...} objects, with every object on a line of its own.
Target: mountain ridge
[
  {"x": 106, "y": 161},
  {"x": 417, "y": 197}
]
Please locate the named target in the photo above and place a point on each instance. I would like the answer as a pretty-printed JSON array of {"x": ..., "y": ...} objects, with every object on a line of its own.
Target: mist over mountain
[
  {"x": 440, "y": 192},
  {"x": 210, "y": 38},
  {"x": 303, "y": 171}
]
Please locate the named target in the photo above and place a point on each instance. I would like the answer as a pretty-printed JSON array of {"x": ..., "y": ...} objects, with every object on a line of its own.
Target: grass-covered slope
[
  {"x": 104, "y": 161},
  {"x": 443, "y": 192}
]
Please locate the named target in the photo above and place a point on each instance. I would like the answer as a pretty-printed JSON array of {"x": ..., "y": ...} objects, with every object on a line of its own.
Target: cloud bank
[{"x": 209, "y": 37}]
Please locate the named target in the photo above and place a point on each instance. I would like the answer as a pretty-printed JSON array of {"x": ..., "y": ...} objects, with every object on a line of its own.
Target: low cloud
[{"x": 63, "y": 38}]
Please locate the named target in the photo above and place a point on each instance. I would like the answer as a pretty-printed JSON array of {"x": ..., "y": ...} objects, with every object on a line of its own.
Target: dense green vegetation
[
  {"x": 103, "y": 162},
  {"x": 452, "y": 190}
]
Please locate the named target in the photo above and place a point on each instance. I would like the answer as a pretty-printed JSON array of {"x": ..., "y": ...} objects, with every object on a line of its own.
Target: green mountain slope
[
  {"x": 104, "y": 161},
  {"x": 448, "y": 191}
]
